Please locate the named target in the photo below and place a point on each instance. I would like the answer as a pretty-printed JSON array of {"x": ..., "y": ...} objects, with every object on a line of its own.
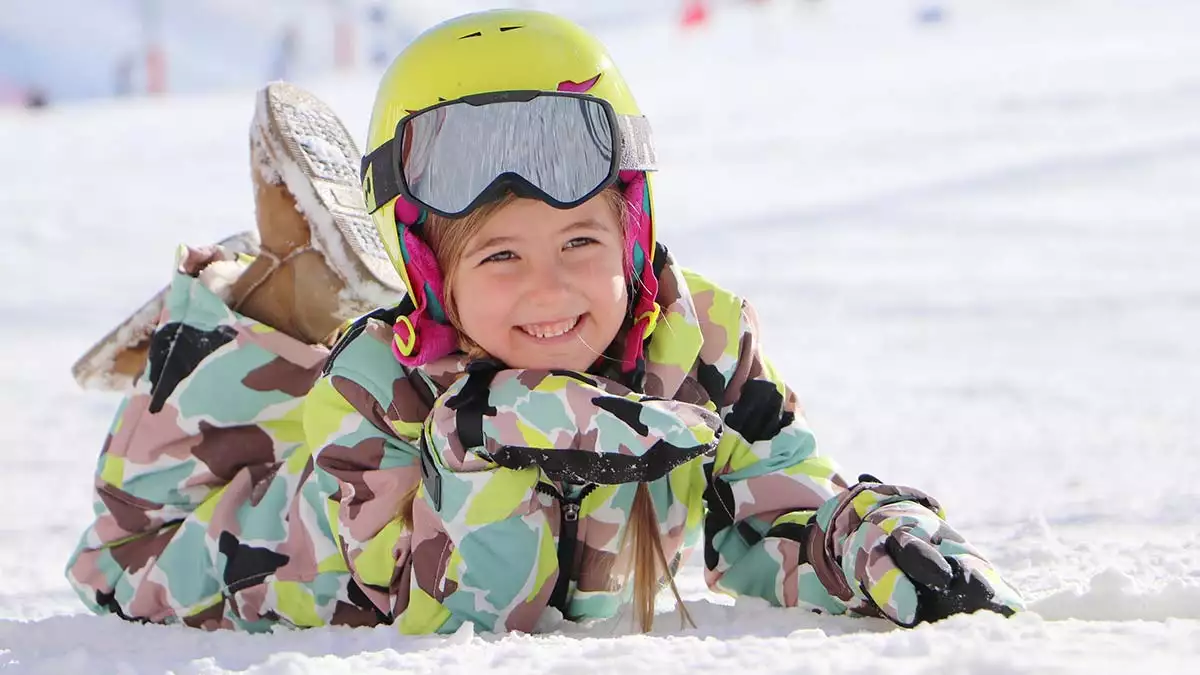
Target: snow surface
[{"x": 973, "y": 245}]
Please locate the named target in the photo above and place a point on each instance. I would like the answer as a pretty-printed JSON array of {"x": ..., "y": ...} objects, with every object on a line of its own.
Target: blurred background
[
  {"x": 62, "y": 50},
  {"x": 65, "y": 50}
]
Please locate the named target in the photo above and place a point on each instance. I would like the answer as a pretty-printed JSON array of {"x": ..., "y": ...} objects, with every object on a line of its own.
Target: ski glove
[{"x": 886, "y": 551}]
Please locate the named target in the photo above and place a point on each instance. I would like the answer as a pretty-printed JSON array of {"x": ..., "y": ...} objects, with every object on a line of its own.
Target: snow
[
  {"x": 1114, "y": 596},
  {"x": 973, "y": 246},
  {"x": 321, "y": 149}
]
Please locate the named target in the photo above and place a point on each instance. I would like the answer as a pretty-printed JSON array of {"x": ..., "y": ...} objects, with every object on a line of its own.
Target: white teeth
[{"x": 550, "y": 330}]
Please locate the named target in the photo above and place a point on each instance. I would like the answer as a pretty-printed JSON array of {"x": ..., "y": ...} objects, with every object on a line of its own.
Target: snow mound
[{"x": 1113, "y": 595}]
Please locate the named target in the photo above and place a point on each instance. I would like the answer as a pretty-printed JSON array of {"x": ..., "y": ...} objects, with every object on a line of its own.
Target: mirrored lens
[{"x": 562, "y": 145}]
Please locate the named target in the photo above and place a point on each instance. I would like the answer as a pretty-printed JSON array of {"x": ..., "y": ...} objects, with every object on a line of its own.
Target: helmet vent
[
  {"x": 475, "y": 34},
  {"x": 505, "y": 29}
]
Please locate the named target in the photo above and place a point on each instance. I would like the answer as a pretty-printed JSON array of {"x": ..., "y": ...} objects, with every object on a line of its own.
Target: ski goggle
[{"x": 562, "y": 148}]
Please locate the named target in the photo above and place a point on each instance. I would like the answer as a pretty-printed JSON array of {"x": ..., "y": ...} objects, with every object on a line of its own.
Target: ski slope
[{"x": 973, "y": 246}]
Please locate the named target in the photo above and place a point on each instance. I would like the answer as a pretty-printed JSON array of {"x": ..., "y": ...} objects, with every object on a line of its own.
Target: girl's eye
[
  {"x": 499, "y": 256},
  {"x": 579, "y": 241}
]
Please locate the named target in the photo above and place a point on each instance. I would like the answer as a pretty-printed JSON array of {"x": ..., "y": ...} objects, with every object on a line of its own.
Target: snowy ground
[{"x": 974, "y": 246}]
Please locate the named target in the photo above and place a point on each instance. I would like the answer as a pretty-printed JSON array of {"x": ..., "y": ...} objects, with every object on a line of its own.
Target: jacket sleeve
[
  {"x": 782, "y": 524},
  {"x": 767, "y": 479},
  {"x": 367, "y": 466},
  {"x": 208, "y": 425}
]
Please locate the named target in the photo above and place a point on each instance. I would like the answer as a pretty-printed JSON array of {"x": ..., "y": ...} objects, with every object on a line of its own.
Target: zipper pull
[{"x": 570, "y": 512}]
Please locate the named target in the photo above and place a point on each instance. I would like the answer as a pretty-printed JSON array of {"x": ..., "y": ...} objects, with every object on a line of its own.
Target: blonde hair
[{"x": 641, "y": 546}]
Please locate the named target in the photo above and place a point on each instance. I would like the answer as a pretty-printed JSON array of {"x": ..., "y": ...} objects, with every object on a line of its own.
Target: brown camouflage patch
[
  {"x": 363, "y": 402},
  {"x": 135, "y": 554},
  {"x": 346, "y": 614},
  {"x": 429, "y": 558},
  {"x": 691, "y": 392},
  {"x": 347, "y": 464},
  {"x": 212, "y": 618},
  {"x": 749, "y": 367},
  {"x": 408, "y": 404},
  {"x": 128, "y": 511},
  {"x": 530, "y": 379},
  {"x": 282, "y": 375},
  {"x": 227, "y": 450},
  {"x": 668, "y": 284},
  {"x": 653, "y": 385}
]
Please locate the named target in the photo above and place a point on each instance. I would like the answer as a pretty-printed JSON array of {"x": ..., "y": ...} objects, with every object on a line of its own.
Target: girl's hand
[{"x": 887, "y": 551}]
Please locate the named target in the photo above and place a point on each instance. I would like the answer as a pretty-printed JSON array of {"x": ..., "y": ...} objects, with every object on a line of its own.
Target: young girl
[{"x": 551, "y": 417}]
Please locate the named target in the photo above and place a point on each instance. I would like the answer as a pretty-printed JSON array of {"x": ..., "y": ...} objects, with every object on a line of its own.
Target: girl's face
[{"x": 540, "y": 287}]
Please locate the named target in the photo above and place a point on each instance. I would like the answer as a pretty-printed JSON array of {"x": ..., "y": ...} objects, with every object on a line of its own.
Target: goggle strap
[
  {"x": 637, "y": 144},
  {"x": 382, "y": 182}
]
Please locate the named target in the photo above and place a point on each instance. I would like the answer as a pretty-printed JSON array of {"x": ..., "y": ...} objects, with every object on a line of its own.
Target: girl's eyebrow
[
  {"x": 589, "y": 224},
  {"x": 585, "y": 224},
  {"x": 486, "y": 243}
]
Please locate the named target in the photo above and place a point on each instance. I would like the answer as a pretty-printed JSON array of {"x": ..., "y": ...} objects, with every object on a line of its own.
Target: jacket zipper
[{"x": 568, "y": 533}]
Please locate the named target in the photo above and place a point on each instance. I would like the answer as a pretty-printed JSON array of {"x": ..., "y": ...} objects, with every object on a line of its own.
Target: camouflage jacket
[{"x": 240, "y": 488}]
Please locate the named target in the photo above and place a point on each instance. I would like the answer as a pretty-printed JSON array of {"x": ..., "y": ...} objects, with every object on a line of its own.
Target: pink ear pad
[{"x": 433, "y": 339}]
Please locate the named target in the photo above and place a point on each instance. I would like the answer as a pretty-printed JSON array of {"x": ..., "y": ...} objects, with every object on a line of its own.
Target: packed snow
[{"x": 973, "y": 244}]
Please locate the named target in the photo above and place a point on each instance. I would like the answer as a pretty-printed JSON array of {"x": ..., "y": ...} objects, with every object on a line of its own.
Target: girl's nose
[{"x": 548, "y": 281}]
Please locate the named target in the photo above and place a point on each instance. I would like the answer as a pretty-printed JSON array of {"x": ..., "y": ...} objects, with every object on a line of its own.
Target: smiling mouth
[{"x": 550, "y": 329}]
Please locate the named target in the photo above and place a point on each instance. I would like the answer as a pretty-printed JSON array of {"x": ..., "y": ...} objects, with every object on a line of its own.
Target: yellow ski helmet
[{"x": 481, "y": 53}]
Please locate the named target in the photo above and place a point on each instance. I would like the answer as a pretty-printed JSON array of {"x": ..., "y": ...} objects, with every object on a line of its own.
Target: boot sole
[
  {"x": 310, "y": 149},
  {"x": 97, "y": 368}
]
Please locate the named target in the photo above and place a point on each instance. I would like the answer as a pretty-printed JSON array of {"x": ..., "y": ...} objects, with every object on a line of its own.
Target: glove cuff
[{"x": 838, "y": 519}]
